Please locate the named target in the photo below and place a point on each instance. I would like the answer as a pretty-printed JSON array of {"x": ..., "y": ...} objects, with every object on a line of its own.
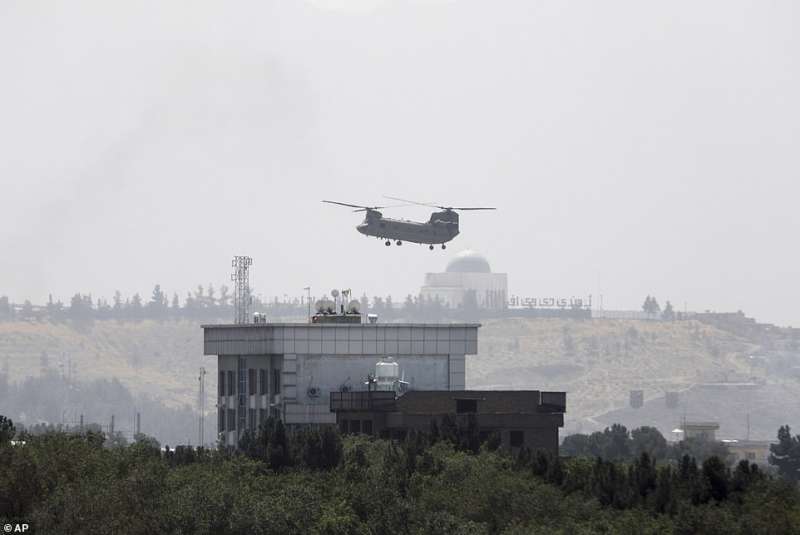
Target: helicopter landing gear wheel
[
  {"x": 430, "y": 247},
  {"x": 398, "y": 243},
  {"x": 388, "y": 243},
  {"x": 444, "y": 246}
]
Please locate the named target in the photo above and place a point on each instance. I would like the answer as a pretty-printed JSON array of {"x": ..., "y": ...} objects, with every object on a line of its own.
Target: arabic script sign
[{"x": 550, "y": 302}]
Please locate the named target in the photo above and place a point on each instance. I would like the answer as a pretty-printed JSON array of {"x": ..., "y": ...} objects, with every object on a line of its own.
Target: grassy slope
[
  {"x": 606, "y": 360},
  {"x": 160, "y": 359}
]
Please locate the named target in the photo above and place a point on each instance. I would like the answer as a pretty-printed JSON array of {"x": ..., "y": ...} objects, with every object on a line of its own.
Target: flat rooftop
[{"x": 330, "y": 325}]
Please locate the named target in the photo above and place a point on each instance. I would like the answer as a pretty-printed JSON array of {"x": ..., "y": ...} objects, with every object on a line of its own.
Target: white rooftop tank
[{"x": 387, "y": 370}]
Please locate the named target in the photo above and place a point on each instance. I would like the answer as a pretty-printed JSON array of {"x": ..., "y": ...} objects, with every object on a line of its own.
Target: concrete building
[
  {"x": 468, "y": 273},
  {"x": 289, "y": 369},
  {"x": 701, "y": 430},
  {"x": 521, "y": 418},
  {"x": 755, "y": 451}
]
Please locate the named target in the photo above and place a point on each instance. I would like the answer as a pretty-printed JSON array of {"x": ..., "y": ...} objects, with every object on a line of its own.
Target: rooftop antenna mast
[{"x": 241, "y": 294}]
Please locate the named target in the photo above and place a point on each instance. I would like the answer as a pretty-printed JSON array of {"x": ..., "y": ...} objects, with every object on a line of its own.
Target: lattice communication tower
[{"x": 241, "y": 292}]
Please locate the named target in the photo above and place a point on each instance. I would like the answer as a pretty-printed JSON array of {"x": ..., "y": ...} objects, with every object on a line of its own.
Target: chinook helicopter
[{"x": 439, "y": 229}]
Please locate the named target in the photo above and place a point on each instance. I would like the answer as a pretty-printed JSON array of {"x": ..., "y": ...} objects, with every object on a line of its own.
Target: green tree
[
  {"x": 7, "y": 430},
  {"x": 650, "y": 440},
  {"x": 157, "y": 307},
  {"x": 716, "y": 473},
  {"x": 136, "y": 310},
  {"x": 278, "y": 453},
  {"x": 786, "y": 454}
]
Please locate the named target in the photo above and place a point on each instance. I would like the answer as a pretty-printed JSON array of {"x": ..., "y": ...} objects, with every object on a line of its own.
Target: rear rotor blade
[
  {"x": 416, "y": 202},
  {"x": 442, "y": 207}
]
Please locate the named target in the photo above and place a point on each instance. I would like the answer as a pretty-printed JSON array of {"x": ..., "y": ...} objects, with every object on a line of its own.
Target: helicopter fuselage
[{"x": 441, "y": 228}]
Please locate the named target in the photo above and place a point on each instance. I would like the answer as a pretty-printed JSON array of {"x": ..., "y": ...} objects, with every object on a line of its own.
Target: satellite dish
[
  {"x": 353, "y": 307},
  {"x": 335, "y": 293}
]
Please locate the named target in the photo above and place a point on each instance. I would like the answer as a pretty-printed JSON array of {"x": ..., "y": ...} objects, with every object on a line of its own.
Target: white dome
[{"x": 468, "y": 261}]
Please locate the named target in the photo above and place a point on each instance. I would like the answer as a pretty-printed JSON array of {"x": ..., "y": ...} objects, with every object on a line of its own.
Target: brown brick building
[{"x": 527, "y": 418}]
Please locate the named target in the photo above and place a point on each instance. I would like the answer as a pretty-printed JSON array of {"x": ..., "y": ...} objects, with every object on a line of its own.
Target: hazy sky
[{"x": 631, "y": 147}]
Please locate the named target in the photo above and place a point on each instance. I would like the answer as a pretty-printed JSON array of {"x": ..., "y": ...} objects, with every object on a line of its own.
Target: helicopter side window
[{"x": 383, "y": 225}]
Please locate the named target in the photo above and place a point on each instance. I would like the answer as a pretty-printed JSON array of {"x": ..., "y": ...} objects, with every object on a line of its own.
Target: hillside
[
  {"x": 596, "y": 361},
  {"x": 159, "y": 359}
]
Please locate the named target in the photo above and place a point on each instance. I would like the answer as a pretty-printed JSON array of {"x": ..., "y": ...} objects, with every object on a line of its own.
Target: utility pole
[
  {"x": 308, "y": 301},
  {"x": 201, "y": 407}
]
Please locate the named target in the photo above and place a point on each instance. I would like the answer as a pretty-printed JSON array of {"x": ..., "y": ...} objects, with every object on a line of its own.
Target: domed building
[{"x": 467, "y": 273}]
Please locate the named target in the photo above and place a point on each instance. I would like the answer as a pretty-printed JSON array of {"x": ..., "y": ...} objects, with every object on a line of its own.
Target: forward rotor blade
[
  {"x": 472, "y": 208},
  {"x": 346, "y": 204}
]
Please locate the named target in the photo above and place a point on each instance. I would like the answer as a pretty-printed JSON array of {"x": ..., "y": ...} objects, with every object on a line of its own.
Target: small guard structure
[
  {"x": 528, "y": 418},
  {"x": 288, "y": 370}
]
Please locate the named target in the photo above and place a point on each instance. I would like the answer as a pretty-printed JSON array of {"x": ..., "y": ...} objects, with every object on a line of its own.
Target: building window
[
  {"x": 276, "y": 381},
  {"x": 231, "y": 383},
  {"x": 262, "y": 381},
  {"x": 231, "y": 420},
  {"x": 221, "y": 422},
  {"x": 367, "y": 426},
  {"x": 262, "y": 417},
  {"x": 355, "y": 426},
  {"x": 221, "y": 384},
  {"x": 343, "y": 426},
  {"x": 251, "y": 379},
  {"x": 251, "y": 419},
  {"x": 466, "y": 405},
  {"x": 516, "y": 439}
]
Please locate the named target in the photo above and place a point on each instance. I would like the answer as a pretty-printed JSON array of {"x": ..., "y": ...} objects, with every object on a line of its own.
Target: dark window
[
  {"x": 251, "y": 379},
  {"x": 221, "y": 423},
  {"x": 231, "y": 420},
  {"x": 231, "y": 383},
  {"x": 367, "y": 427},
  {"x": 466, "y": 405},
  {"x": 516, "y": 438},
  {"x": 343, "y": 425},
  {"x": 251, "y": 419},
  {"x": 355, "y": 426},
  {"x": 221, "y": 384},
  {"x": 276, "y": 381},
  {"x": 483, "y": 436},
  {"x": 262, "y": 382}
]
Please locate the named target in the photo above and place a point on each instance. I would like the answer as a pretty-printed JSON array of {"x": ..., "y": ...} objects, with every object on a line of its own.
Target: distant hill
[
  {"x": 598, "y": 362},
  {"x": 160, "y": 359}
]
